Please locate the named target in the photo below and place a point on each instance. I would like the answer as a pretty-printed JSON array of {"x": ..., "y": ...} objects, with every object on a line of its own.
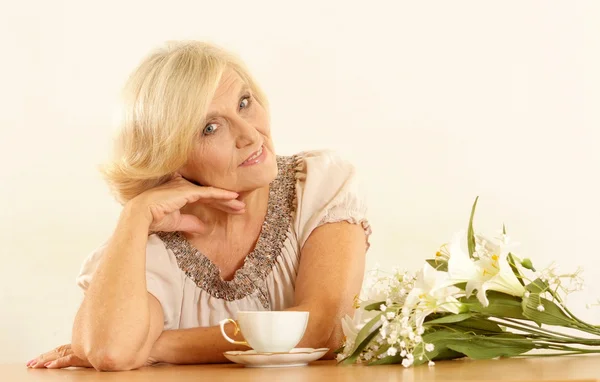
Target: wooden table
[{"x": 566, "y": 368}]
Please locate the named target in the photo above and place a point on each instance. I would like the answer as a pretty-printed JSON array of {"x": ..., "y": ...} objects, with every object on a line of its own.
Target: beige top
[{"x": 311, "y": 189}]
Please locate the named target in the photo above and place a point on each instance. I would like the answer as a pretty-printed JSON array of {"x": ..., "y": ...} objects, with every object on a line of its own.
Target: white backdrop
[{"x": 435, "y": 102}]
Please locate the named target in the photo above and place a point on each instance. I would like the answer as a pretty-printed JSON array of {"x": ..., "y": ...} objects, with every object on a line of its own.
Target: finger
[
  {"x": 190, "y": 223},
  {"x": 229, "y": 210},
  {"x": 52, "y": 355},
  {"x": 68, "y": 361},
  {"x": 44, "y": 358},
  {"x": 229, "y": 206},
  {"x": 211, "y": 193},
  {"x": 233, "y": 204}
]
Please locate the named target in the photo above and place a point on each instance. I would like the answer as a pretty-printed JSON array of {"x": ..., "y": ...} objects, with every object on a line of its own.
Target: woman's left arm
[{"x": 332, "y": 266}]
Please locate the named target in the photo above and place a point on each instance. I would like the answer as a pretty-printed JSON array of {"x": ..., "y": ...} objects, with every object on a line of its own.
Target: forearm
[
  {"x": 194, "y": 346},
  {"x": 207, "y": 345},
  {"x": 113, "y": 321}
]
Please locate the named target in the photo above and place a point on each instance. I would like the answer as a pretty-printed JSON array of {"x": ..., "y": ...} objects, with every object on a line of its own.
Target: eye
[
  {"x": 245, "y": 102},
  {"x": 210, "y": 129}
]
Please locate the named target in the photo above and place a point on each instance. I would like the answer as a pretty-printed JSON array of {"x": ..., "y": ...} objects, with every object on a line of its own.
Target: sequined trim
[{"x": 251, "y": 277}]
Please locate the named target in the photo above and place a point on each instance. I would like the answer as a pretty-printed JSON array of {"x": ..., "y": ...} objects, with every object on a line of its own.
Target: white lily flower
[
  {"x": 491, "y": 271},
  {"x": 431, "y": 294},
  {"x": 487, "y": 246},
  {"x": 350, "y": 329}
]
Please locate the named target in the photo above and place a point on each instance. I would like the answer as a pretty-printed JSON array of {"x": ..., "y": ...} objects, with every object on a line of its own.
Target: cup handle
[{"x": 237, "y": 330}]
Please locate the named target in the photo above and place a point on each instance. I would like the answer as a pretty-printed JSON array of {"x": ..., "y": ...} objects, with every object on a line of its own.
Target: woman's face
[{"x": 233, "y": 151}]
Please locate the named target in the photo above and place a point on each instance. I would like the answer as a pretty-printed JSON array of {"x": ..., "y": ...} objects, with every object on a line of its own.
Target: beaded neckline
[{"x": 258, "y": 263}]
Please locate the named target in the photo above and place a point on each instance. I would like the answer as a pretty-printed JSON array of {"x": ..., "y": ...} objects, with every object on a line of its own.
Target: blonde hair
[{"x": 165, "y": 102}]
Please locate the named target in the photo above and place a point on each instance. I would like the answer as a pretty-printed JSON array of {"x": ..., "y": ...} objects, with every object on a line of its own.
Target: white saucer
[{"x": 295, "y": 357}]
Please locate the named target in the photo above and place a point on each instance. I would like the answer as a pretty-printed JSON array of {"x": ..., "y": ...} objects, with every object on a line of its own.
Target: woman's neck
[{"x": 221, "y": 223}]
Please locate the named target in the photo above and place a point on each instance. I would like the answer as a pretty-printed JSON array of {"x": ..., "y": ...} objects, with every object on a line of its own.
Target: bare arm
[
  {"x": 330, "y": 275},
  {"x": 194, "y": 346},
  {"x": 119, "y": 321}
]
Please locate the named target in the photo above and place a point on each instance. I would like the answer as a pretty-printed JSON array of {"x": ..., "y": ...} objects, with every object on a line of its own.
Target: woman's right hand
[
  {"x": 58, "y": 358},
  {"x": 161, "y": 205},
  {"x": 63, "y": 357}
]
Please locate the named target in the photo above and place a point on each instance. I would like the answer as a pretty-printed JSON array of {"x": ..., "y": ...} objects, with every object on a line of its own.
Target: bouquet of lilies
[{"x": 481, "y": 303}]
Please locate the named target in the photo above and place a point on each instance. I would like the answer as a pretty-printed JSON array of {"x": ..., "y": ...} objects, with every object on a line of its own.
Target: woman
[{"x": 213, "y": 222}]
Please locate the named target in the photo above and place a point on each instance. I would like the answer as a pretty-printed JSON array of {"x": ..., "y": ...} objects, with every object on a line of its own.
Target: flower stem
[
  {"x": 592, "y": 329},
  {"x": 550, "y": 355},
  {"x": 569, "y": 348},
  {"x": 566, "y": 341},
  {"x": 533, "y": 331},
  {"x": 534, "y": 328}
]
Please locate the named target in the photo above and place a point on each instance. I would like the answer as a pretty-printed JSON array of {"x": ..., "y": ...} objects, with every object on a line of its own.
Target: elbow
[
  {"x": 315, "y": 342},
  {"x": 329, "y": 335},
  {"x": 108, "y": 359},
  {"x": 106, "y": 355},
  {"x": 326, "y": 333}
]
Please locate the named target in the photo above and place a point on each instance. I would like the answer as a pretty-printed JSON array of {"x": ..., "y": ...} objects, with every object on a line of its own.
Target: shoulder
[
  {"x": 323, "y": 163},
  {"x": 157, "y": 259},
  {"x": 328, "y": 189},
  {"x": 324, "y": 177}
]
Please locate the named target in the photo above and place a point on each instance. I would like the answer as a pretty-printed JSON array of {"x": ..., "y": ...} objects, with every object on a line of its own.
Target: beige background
[{"x": 435, "y": 102}]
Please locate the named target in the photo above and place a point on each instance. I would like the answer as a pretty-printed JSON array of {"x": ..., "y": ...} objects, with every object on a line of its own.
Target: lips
[{"x": 254, "y": 155}]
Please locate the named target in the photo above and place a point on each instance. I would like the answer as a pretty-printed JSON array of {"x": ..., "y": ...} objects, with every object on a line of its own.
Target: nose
[{"x": 245, "y": 133}]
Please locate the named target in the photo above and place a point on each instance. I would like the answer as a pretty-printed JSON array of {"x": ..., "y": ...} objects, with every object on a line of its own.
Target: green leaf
[
  {"x": 475, "y": 324},
  {"x": 438, "y": 265},
  {"x": 450, "y": 345},
  {"x": 478, "y": 325},
  {"x": 440, "y": 339},
  {"x": 449, "y": 318},
  {"x": 513, "y": 265},
  {"x": 364, "y": 337},
  {"x": 487, "y": 347},
  {"x": 551, "y": 315},
  {"x": 537, "y": 286},
  {"x": 503, "y": 229},
  {"x": 471, "y": 232},
  {"x": 445, "y": 354},
  {"x": 352, "y": 358},
  {"x": 369, "y": 327},
  {"x": 383, "y": 348},
  {"x": 374, "y": 306},
  {"x": 386, "y": 360},
  {"x": 501, "y": 305}
]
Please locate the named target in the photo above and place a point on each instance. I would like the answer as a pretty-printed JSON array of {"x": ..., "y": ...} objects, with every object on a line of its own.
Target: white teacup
[{"x": 268, "y": 332}]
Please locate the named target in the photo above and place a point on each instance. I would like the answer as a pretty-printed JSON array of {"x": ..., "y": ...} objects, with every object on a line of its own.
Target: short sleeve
[
  {"x": 328, "y": 190},
  {"x": 164, "y": 280}
]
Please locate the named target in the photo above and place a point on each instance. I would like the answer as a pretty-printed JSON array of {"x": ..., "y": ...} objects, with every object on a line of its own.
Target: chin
[{"x": 264, "y": 179}]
